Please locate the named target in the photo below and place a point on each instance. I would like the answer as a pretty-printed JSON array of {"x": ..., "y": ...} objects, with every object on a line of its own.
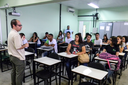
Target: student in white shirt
[
  {"x": 60, "y": 37},
  {"x": 68, "y": 30},
  {"x": 52, "y": 42},
  {"x": 97, "y": 41},
  {"x": 67, "y": 39},
  {"x": 24, "y": 39}
]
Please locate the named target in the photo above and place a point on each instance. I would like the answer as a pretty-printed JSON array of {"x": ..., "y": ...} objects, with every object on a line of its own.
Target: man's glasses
[{"x": 19, "y": 25}]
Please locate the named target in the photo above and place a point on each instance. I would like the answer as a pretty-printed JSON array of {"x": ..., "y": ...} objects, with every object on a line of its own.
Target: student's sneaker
[
  {"x": 70, "y": 82},
  {"x": 35, "y": 55},
  {"x": 109, "y": 80},
  {"x": 84, "y": 80}
]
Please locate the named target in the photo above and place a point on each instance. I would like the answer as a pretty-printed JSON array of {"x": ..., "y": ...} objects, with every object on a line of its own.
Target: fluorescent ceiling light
[{"x": 93, "y": 5}]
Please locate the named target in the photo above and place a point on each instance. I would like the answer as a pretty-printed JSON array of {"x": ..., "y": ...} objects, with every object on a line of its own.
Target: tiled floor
[{"x": 5, "y": 79}]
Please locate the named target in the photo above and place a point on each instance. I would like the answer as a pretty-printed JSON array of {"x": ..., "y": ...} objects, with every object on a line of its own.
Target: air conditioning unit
[{"x": 71, "y": 10}]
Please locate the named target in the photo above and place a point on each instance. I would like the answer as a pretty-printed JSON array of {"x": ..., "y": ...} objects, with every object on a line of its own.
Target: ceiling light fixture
[{"x": 93, "y": 5}]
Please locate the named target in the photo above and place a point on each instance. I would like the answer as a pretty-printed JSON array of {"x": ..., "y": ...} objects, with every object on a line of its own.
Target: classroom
[{"x": 63, "y": 42}]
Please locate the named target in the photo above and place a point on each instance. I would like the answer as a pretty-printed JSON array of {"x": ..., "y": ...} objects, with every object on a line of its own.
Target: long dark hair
[
  {"x": 114, "y": 41},
  {"x": 22, "y": 34},
  {"x": 106, "y": 37},
  {"x": 126, "y": 40},
  {"x": 80, "y": 38},
  {"x": 35, "y": 35},
  {"x": 59, "y": 33},
  {"x": 121, "y": 40}
]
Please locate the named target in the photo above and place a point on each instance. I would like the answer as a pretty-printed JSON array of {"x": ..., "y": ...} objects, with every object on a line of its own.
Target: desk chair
[
  {"x": 96, "y": 66},
  {"x": 49, "y": 72},
  {"x": 28, "y": 63},
  {"x": 62, "y": 49}
]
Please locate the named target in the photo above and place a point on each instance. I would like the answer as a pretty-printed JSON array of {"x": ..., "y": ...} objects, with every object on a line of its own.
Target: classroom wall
[
  {"x": 17, "y": 3},
  {"x": 41, "y": 18},
  {"x": 106, "y": 15},
  {"x": 70, "y": 19}
]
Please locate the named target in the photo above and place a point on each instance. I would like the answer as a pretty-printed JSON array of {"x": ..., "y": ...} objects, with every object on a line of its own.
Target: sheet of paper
[
  {"x": 110, "y": 24},
  {"x": 107, "y": 28},
  {"x": 126, "y": 23},
  {"x": 101, "y": 27}
]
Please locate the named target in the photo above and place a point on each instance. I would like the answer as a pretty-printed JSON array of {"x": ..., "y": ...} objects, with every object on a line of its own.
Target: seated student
[
  {"x": 112, "y": 49},
  {"x": 120, "y": 43},
  {"x": 74, "y": 47},
  {"x": 36, "y": 39},
  {"x": 23, "y": 38},
  {"x": 97, "y": 41},
  {"x": 105, "y": 39},
  {"x": 52, "y": 42},
  {"x": 85, "y": 38},
  {"x": 67, "y": 39},
  {"x": 60, "y": 37},
  {"x": 124, "y": 40},
  {"x": 46, "y": 35},
  {"x": 88, "y": 44}
]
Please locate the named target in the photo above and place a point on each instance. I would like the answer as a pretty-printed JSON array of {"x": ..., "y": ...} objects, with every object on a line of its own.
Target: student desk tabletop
[
  {"x": 100, "y": 59},
  {"x": 90, "y": 72},
  {"x": 105, "y": 44},
  {"x": 121, "y": 54},
  {"x": 64, "y": 54},
  {"x": 49, "y": 62},
  {"x": 45, "y": 49},
  {"x": 126, "y": 50},
  {"x": 28, "y": 53},
  {"x": 31, "y": 42}
]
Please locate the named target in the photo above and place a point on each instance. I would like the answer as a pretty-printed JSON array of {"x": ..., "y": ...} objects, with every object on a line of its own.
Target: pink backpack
[{"x": 108, "y": 57}]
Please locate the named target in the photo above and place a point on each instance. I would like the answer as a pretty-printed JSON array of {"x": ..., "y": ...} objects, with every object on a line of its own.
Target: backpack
[{"x": 108, "y": 57}]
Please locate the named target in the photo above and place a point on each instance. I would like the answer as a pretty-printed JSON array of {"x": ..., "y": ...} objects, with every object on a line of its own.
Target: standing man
[
  {"x": 68, "y": 30},
  {"x": 16, "y": 52}
]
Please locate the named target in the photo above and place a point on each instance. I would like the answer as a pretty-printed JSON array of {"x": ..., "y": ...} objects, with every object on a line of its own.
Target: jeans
[
  {"x": 47, "y": 53},
  {"x": 68, "y": 66}
]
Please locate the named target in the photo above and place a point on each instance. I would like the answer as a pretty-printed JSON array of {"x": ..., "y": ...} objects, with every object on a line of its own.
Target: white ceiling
[{"x": 82, "y": 4}]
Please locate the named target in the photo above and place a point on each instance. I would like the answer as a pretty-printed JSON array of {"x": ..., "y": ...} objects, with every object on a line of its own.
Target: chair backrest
[
  {"x": 64, "y": 44},
  {"x": 97, "y": 66},
  {"x": 53, "y": 55},
  {"x": 29, "y": 49},
  {"x": 42, "y": 43}
]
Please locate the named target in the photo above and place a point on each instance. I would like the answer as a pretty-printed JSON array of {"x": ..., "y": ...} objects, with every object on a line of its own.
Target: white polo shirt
[
  {"x": 68, "y": 40},
  {"x": 54, "y": 42},
  {"x": 14, "y": 43},
  {"x": 98, "y": 42}
]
